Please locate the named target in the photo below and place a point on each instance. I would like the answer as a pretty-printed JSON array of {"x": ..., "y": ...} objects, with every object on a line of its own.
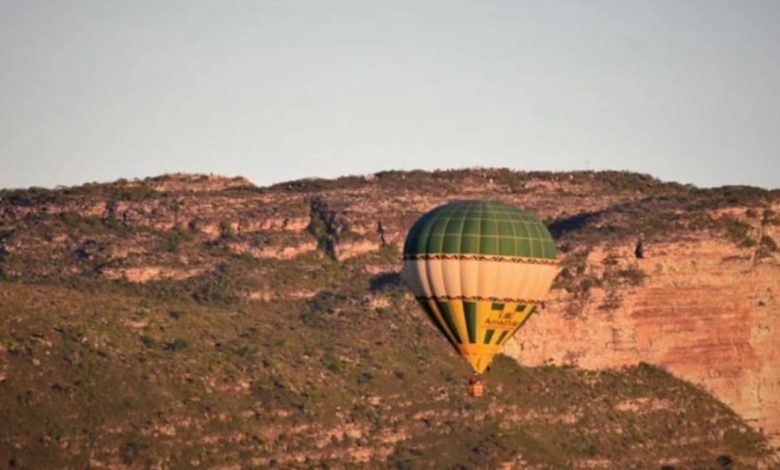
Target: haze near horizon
[{"x": 686, "y": 91}]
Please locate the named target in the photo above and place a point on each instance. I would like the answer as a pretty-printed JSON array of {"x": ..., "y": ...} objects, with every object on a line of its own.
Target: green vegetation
[
  {"x": 173, "y": 241},
  {"x": 323, "y": 227},
  {"x": 242, "y": 361},
  {"x": 738, "y": 231},
  {"x": 121, "y": 378}
]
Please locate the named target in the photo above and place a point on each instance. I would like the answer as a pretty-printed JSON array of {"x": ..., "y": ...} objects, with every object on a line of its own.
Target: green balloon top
[{"x": 479, "y": 228}]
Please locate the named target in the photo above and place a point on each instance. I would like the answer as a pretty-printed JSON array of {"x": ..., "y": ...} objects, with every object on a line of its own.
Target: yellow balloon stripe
[
  {"x": 459, "y": 318},
  {"x": 478, "y": 341},
  {"x": 526, "y": 314}
]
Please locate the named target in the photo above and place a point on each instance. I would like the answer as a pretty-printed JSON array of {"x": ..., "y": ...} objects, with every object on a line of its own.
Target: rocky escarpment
[
  {"x": 704, "y": 309},
  {"x": 656, "y": 272}
]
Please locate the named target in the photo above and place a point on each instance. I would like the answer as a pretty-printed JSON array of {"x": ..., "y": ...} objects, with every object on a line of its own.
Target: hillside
[{"x": 194, "y": 320}]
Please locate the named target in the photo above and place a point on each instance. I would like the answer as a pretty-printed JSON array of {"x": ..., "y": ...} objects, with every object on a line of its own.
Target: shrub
[
  {"x": 725, "y": 461},
  {"x": 173, "y": 240},
  {"x": 737, "y": 231},
  {"x": 226, "y": 229},
  {"x": 633, "y": 275}
]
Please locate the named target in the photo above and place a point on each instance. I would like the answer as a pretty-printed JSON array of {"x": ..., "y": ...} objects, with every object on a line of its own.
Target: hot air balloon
[{"x": 479, "y": 270}]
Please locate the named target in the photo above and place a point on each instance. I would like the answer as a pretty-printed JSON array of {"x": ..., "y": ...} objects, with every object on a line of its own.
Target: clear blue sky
[{"x": 279, "y": 90}]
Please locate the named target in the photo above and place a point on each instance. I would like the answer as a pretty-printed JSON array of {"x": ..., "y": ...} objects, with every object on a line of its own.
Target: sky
[{"x": 278, "y": 90}]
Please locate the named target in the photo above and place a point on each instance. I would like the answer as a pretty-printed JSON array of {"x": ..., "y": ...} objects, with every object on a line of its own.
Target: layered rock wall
[{"x": 705, "y": 311}]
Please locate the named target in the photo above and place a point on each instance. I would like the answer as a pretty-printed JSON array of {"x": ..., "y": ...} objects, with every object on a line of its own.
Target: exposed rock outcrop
[{"x": 704, "y": 311}]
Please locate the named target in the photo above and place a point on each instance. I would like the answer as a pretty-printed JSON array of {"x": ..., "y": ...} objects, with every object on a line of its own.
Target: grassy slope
[{"x": 112, "y": 378}]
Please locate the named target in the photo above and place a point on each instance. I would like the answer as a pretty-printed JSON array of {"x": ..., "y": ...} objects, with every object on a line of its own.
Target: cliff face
[
  {"x": 698, "y": 297},
  {"x": 706, "y": 311}
]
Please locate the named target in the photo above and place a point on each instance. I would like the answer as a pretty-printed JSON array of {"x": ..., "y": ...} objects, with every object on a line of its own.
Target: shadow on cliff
[
  {"x": 628, "y": 219},
  {"x": 386, "y": 280},
  {"x": 560, "y": 227}
]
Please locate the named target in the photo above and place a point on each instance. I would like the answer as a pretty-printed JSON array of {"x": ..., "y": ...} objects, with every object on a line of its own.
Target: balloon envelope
[{"x": 478, "y": 269}]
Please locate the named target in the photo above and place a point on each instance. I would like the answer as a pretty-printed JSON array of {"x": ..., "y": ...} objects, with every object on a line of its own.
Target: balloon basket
[{"x": 476, "y": 388}]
